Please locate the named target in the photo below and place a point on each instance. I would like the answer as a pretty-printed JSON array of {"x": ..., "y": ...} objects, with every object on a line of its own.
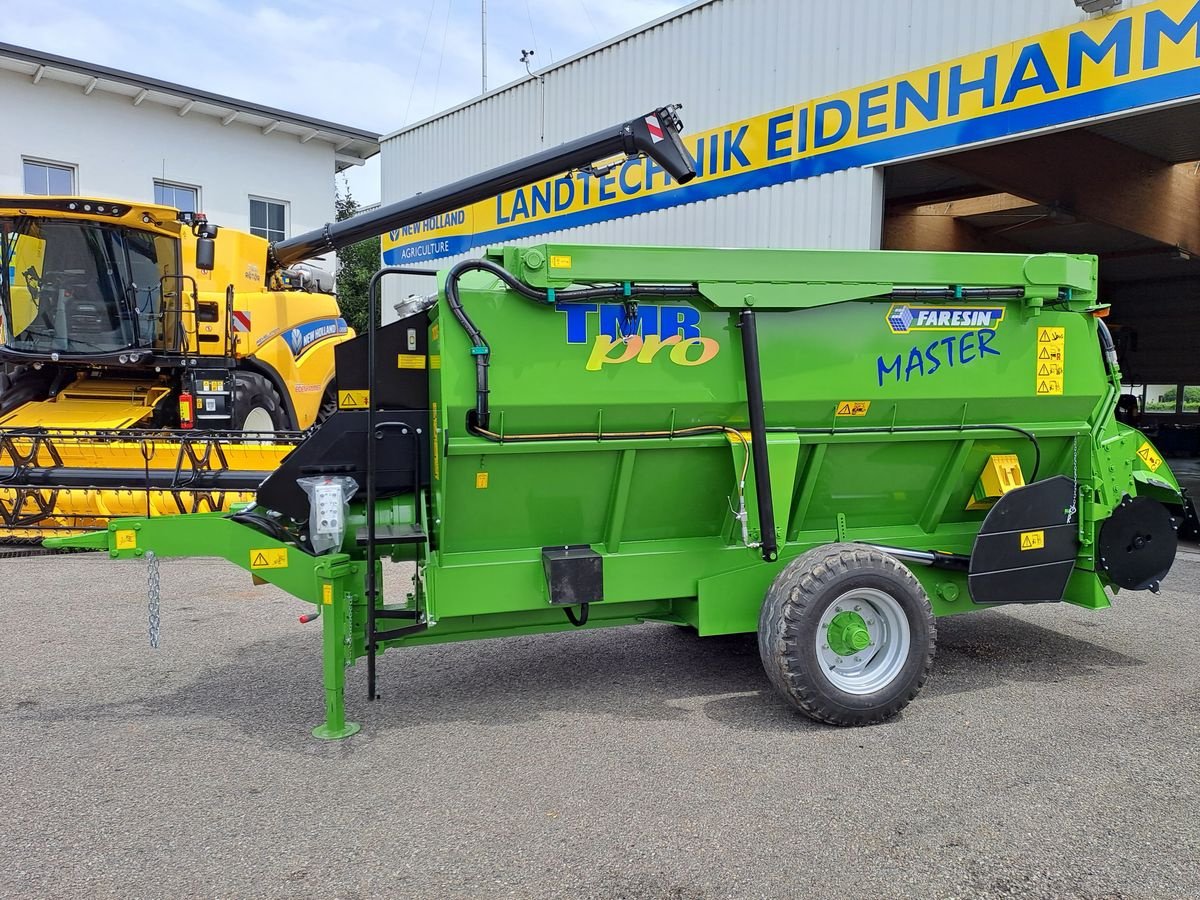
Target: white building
[
  {"x": 1021, "y": 126},
  {"x": 72, "y": 127}
]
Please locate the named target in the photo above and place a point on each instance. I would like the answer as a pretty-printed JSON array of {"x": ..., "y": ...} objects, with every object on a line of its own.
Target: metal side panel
[
  {"x": 96, "y": 404},
  {"x": 1026, "y": 549}
]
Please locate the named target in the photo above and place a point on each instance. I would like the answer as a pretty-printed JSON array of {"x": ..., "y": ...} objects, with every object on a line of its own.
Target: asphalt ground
[{"x": 1052, "y": 754}]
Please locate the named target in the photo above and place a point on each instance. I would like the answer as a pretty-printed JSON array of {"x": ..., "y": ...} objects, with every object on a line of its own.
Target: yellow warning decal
[
  {"x": 271, "y": 558},
  {"x": 353, "y": 399},
  {"x": 410, "y": 361},
  {"x": 435, "y": 360},
  {"x": 560, "y": 262},
  {"x": 327, "y": 594},
  {"x": 1033, "y": 540},
  {"x": 481, "y": 480},
  {"x": 852, "y": 408},
  {"x": 126, "y": 539},
  {"x": 1145, "y": 453},
  {"x": 433, "y": 331},
  {"x": 1051, "y": 361}
]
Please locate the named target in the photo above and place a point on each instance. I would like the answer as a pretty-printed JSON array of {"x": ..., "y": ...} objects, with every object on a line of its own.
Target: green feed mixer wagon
[{"x": 829, "y": 449}]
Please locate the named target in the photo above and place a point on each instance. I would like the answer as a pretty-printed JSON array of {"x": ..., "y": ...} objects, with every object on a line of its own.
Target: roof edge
[
  {"x": 38, "y": 57},
  {"x": 587, "y": 51}
]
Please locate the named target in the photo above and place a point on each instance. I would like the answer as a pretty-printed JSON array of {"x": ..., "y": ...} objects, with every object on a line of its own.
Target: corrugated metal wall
[{"x": 724, "y": 60}]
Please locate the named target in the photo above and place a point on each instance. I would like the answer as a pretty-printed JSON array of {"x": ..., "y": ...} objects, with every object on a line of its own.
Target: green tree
[
  {"x": 355, "y": 266},
  {"x": 1166, "y": 402}
]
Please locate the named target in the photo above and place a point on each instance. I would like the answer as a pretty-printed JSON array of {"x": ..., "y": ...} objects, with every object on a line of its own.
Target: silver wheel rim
[
  {"x": 879, "y": 663},
  {"x": 259, "y": 419}
]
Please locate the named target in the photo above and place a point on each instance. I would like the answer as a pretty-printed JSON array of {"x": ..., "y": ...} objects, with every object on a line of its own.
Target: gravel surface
[{"x": 1052, "y": 754}]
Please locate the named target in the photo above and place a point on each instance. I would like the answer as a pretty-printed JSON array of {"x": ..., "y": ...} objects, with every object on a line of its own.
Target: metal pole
[{"x": 483, "y": 36}]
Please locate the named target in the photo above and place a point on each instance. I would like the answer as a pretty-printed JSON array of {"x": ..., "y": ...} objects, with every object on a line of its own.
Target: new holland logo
[
  {"x": 304, "y": 336},
  {"x": 902, "y": 318}
]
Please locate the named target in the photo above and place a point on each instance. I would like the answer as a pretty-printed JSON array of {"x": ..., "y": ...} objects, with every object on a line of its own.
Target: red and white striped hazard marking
[
  {"x": 655, "y": 128},
  {"x": 241, "y": 320}
]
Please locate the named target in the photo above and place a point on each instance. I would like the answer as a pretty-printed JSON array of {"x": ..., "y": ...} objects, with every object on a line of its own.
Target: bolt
[
  {"x": 870, "y": 621},
  {"x": 857, "y": 608},
  {"x": 837, "y": 609},
  {"x": 857, "y": 659},
  {"x": 824, "y": 646}
]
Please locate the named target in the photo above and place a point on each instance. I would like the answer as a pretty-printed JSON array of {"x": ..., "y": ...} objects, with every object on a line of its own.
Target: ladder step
[
  {"x": 396, "y": 614},
  {"x": 393, "y": 534}
]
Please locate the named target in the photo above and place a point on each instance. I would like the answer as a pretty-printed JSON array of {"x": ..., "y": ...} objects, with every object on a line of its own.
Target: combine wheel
[
  {"x": 847, "y": 635},
  {"x": 256, "y": 404},
  {"x": 329, "y": 405}
]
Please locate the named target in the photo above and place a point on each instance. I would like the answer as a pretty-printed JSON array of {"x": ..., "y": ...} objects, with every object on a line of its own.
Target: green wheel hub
[{"x": 847, "y": 634}]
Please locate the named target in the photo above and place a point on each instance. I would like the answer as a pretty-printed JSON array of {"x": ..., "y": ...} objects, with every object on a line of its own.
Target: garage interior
[{"x": 1127, "y": 190}]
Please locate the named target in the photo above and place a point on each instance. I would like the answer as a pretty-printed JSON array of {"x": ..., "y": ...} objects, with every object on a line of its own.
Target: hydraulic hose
[
  {"x": 903, "y": 429},
  {"x": 480, "y": 418}
]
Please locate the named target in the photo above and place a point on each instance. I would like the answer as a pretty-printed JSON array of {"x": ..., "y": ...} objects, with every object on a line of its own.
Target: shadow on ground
[{"x": 269, "y": 690}]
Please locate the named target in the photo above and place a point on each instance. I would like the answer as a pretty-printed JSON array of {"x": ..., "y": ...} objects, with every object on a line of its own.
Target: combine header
[{"x": 829, "y": 449}]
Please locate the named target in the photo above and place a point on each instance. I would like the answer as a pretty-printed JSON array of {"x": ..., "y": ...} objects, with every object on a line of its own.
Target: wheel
[
  {"x": 846, "y": 634},
  {"x": 256, "y": 404},
  {"x": 329, "y": 405}
]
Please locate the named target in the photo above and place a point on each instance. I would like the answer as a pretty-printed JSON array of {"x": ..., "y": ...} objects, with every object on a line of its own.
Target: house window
[
  {"x": 268, "y": 218},
  {"x": 49, "y": 178},
  {"x": 181, "y": 196}
]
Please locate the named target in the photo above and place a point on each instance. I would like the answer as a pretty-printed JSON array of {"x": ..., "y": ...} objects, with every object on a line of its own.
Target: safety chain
[
  {"x": 154, "y": 592},
  {"x": 1074, "y": 478}
]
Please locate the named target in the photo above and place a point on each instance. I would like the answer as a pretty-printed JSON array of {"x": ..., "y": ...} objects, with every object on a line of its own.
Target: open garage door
[{"x": 1126, "y": 190}]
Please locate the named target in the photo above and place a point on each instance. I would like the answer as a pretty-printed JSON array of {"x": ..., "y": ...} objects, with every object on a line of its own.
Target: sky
[{"x": 373, "y": 64}]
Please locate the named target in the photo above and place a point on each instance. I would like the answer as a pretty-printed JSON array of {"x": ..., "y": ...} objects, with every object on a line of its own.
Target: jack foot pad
[{"x": 325, "y": 733}]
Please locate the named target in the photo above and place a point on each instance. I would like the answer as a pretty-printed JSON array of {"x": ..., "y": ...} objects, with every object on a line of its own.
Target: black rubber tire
[
  {"x": 791, "y": 614},
  {"x": 329, "y": 405},
  {"x": 252, "y": 391}
]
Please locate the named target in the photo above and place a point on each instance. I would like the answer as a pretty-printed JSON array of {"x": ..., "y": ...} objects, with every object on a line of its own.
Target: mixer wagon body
[{"x": 828, "y": 448}]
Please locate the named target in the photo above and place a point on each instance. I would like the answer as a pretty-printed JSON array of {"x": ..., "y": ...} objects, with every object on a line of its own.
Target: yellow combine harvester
[{"x": 137, "y": 351}]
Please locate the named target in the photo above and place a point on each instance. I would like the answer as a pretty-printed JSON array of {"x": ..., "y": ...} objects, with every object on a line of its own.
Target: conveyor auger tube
[{"x": 655, "y": 134}]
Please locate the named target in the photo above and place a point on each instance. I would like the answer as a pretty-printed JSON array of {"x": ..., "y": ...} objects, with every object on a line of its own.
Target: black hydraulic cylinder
[
  {"x": 758, "y": 435},
  {"x": 656, "y": 134}
]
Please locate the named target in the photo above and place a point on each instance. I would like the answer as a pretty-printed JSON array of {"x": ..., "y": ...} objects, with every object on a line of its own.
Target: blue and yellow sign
[{"x": 1143, "y": 56}]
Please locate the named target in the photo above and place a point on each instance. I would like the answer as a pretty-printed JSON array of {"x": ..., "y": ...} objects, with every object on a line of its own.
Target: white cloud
[{"x": 356, "y": 62}]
